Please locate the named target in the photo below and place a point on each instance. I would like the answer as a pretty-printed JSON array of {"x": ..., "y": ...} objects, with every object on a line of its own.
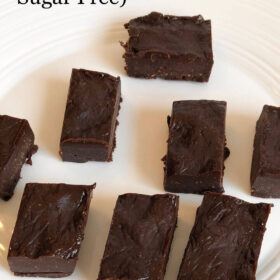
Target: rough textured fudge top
[
  {"x": 269, "y": 127},
  {"x": 51, "y": 221},
  {"x": 90, "y": 106},
  {"x": 196, "y": 137},
  {"x": 10, "y": 131},
  {"x": 226, "y": 239},
  {"x": 171, "y": 35},
  {"x": 142, "y": 227}
]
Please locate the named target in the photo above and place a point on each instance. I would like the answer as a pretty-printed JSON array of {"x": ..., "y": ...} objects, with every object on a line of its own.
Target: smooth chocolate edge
[
  {"x": 44, "y": 275},
  {"x": 219, "y": 190}
]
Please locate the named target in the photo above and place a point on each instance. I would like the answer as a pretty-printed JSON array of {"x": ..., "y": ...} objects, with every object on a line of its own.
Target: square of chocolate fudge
[
  {"x": 90, "y": 120},
  {"x": 16, "y": 148},
  {"x": 49, "y": 229},
  {"x": 169, "y": 47},
  {"x": 196, "y": 147},
  {"x": 140, "y": 237},
  {"x": 226, "y": 239},
  {"x": 265, "y": 171}
]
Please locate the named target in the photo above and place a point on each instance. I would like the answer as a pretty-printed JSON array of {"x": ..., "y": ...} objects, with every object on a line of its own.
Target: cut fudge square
[
  {"x": 90, "y": 120},
  {"x": 226, "y": 239},
  {"x": 140, "y": 237},
  {"x": 265, "y": 171},
  {"x": 169, "y": 47},
  {"x": 49, "y": 229},
  {"x": 16, "y": 148},
  {"x": 196, "y": 147}
]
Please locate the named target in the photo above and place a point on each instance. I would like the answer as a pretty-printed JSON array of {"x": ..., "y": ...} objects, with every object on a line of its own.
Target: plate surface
[{"x": 37, "y": 51}]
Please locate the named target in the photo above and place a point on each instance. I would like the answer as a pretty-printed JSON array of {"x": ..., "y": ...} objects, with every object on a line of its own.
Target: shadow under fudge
[
  {"x": 55, "y": 96},
  {"x": 8, "y": 221},
  {"x": 181, "y": 237},
  {"x": 150, "y": 147},
  {"x": 98, "y": 225},
  {"x": 240, "y": 131},
  {"x": 8, "y": 218}
]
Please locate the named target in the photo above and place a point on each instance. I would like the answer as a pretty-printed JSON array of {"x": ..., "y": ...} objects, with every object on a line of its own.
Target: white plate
[{"x": 37, "y": 51}]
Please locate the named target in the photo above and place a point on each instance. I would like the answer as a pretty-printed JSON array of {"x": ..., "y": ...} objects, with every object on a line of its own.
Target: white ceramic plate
[{"x": 37, "y": 51}]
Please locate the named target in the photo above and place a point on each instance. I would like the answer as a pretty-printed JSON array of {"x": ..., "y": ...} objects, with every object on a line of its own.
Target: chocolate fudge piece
[
  {"x": 140, "y": 237},
  {"x": 49, "y": 229},
  {"x": 196, "y": 147},
  {"x": 226, "y": 239},
  {"x": 169, "y": 47},
  {"x": 91, "y": 117},
  {"x": 265, "y": 172},
  {"x": 16, "y": 148}
]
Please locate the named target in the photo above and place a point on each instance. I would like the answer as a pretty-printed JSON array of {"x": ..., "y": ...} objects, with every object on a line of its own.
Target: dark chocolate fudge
[
  {"x": 226, "y": 239},
  {"x": 265, "y": 172},
  {"x": 140, "y": 237},
  {"x": 169, "y": 47},
  {"x": 196, "y": 147},
  {"x": 16, "y": 148},
  {"x": 49, "y": 229},
  {"x": 91, "y": 117}
]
